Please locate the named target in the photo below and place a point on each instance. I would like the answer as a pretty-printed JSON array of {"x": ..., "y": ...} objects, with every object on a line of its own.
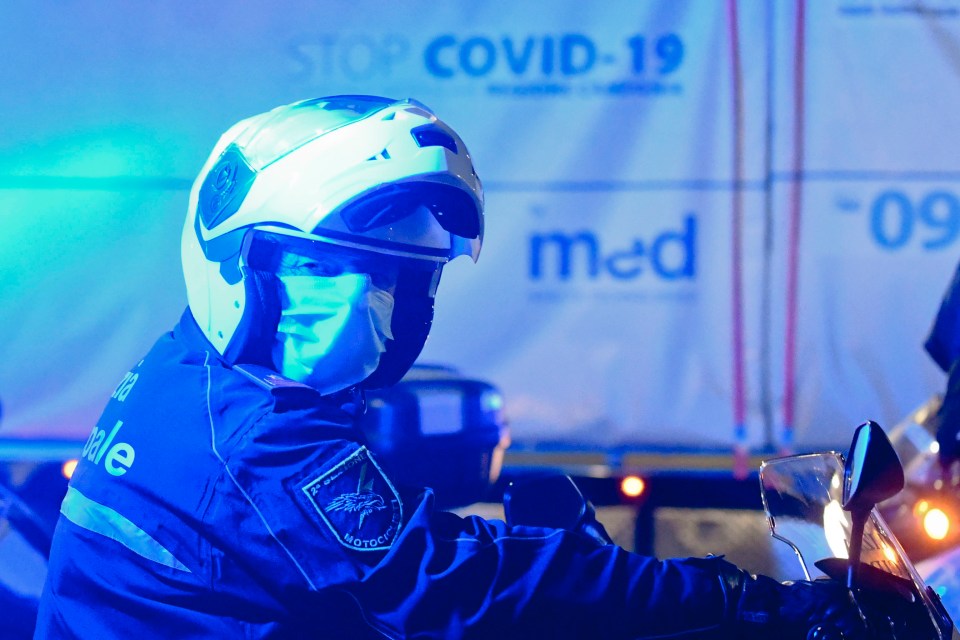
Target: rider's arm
[{"x": 340, "y": 532}]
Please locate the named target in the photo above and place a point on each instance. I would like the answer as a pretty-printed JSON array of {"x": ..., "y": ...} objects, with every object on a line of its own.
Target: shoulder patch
[{"x": 357, "y": 503}]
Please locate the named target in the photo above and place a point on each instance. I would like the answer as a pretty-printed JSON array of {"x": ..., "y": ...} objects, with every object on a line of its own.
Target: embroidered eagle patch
[{"x": 357, "y": 502}]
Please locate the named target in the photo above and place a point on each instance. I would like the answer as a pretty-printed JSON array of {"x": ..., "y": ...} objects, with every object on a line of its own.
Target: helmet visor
[
  {"x": 429, "y": 220},
  {"x": 453, "y": 209},
  {"x": 275, "y": 250}
]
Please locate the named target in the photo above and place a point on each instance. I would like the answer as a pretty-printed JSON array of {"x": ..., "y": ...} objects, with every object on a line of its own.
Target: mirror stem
[{"x": 859, "y": 521}]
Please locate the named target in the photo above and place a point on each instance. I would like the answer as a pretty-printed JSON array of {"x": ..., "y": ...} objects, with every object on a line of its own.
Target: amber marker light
[
  {"x": 936, "y": 523},
  {"x": 68, "y": 468},
  {"x": 632, "y": 486}
]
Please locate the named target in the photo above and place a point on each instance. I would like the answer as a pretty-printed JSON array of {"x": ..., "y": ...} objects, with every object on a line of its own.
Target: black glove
[
  {"x": 759, "y": 607},
  {"x": 767, "y": 608}
]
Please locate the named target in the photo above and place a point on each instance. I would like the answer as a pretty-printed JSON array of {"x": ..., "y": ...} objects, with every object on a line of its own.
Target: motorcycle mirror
[
  {"x": 548, "y": 501},
  {"x": 872, "y": 471}
]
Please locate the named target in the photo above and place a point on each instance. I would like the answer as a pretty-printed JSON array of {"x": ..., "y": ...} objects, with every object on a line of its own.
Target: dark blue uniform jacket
[{"x": 218, "y": 501}]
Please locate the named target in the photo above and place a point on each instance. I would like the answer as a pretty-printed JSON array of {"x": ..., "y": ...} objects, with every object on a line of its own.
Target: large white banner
[
  {"x": 709, "y": 222},
  {"x": 875, "y": 241}
]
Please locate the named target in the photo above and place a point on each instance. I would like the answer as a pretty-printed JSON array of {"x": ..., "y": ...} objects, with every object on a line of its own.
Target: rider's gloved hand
[
  {"x": 770, "y": 609},
  {"x": 761, "y": 608}
]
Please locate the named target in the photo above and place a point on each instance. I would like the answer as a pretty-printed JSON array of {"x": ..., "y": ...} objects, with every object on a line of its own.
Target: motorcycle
[
  {"x": 924, "y": 515},
  {"x": 823, "y": 508}
]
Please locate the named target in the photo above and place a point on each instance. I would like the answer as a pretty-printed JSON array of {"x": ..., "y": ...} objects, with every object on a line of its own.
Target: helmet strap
[{"x": 252, "y": 342}]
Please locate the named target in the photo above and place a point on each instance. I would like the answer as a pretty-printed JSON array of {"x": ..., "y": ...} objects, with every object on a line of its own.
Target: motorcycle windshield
[{"x": 802, "y": 496}]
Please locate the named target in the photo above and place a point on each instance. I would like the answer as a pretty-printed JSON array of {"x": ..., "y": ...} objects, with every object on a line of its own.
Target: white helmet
[{"x": 359, "y": 172}]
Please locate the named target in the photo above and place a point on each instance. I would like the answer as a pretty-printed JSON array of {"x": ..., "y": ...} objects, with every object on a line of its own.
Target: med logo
[
  {"x": 668, "y": 255},
  {"x": 357, "y": 503}
]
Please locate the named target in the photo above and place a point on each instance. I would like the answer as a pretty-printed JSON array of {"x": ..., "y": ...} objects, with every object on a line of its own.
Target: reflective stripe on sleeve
[{"x": 98, "y": 518}]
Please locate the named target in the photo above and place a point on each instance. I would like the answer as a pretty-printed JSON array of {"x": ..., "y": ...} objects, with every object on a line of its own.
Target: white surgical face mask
[{"x": 332, "y": 330}]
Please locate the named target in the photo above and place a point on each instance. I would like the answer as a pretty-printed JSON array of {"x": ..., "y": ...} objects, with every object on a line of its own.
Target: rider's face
[{"x": 382, "y": 270}]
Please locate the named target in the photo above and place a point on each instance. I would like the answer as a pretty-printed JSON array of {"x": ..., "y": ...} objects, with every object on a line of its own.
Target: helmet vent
[
  {"x": 383, "y": 155},
  {"x": 431, "y": 135}
]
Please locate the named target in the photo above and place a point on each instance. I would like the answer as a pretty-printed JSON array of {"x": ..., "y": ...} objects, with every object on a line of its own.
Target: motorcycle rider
[
  {"x": 943, "y": 345},
  {"x": 226, "y": 491}
]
